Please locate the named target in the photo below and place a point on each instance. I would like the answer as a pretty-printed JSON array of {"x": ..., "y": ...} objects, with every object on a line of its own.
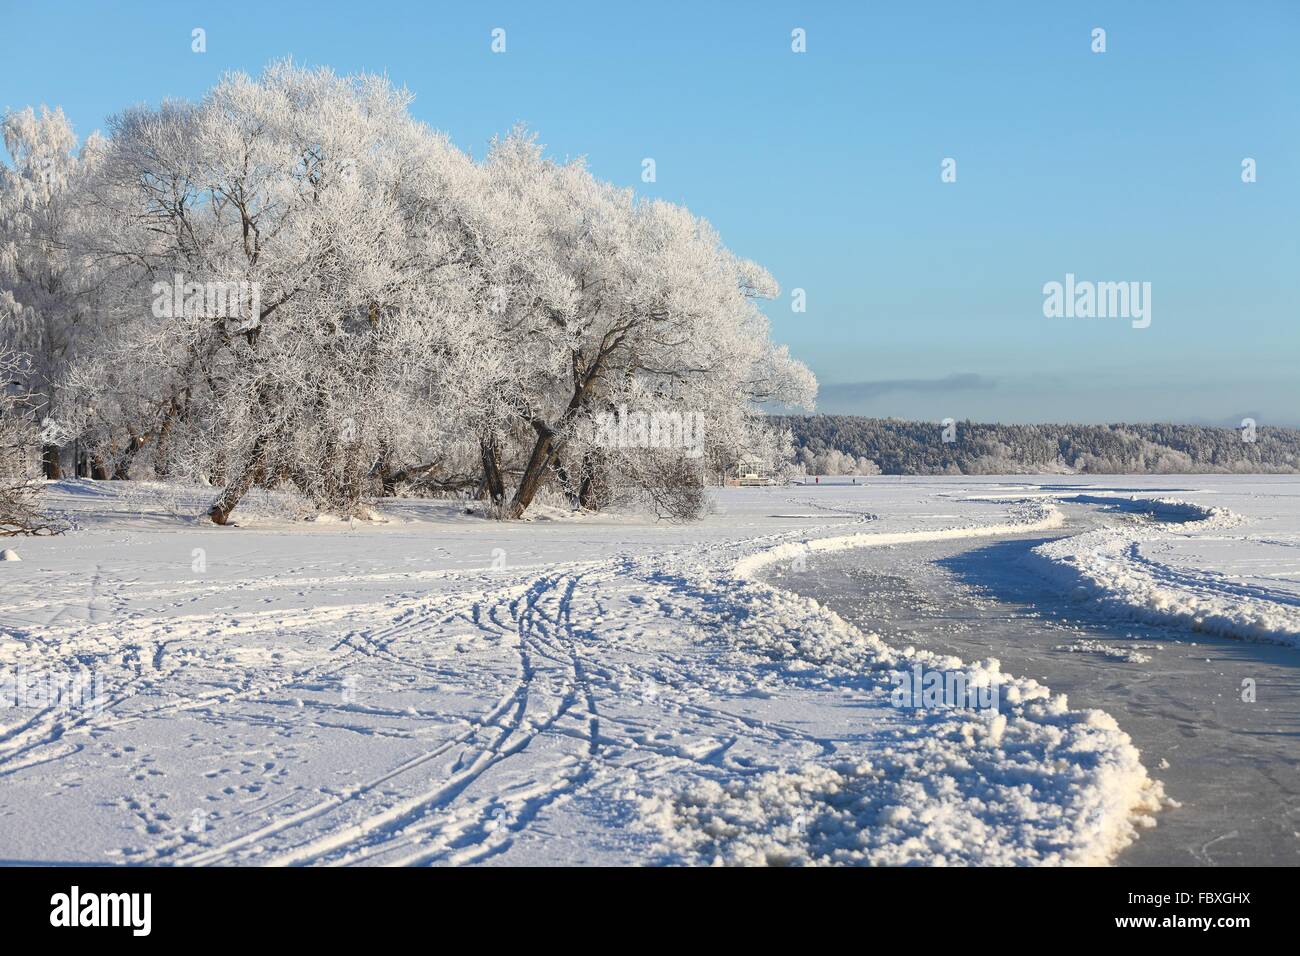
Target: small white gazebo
[{"x": 750, "y": 471}]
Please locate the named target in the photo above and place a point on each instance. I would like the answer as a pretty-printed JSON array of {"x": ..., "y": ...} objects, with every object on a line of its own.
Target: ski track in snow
[{"x": 653, "y": 685}]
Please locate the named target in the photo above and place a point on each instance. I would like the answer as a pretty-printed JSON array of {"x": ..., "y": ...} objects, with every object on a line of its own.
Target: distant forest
[{"x": 848, "y": 444}]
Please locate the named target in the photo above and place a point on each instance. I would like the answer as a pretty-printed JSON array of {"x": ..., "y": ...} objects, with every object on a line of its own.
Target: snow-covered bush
[{"x": 836, "y": 462}]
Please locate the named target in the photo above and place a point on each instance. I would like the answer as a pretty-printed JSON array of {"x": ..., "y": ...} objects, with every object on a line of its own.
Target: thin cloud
[{"x": 860, "y": 391}]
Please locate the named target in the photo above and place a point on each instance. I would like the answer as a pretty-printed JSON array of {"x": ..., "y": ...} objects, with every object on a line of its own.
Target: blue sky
[{"x": 924, "y": 298}]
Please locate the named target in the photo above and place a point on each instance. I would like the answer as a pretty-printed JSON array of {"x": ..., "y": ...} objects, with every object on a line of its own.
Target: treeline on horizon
[{"x": 843, "y": 444}]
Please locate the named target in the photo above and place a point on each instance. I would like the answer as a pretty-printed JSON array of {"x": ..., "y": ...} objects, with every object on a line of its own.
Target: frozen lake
[{"x": 1232, "y": 765}]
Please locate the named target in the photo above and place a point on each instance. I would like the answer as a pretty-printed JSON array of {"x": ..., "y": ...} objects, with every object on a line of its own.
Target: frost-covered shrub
[{"x": 20, "y": 484}]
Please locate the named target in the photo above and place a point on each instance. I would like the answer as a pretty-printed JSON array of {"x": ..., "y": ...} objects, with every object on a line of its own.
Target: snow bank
[
  {"x": 1110, "y": 567},
  {"x": 1028, "y": 517},
  {"x": 1030, "y": 782},
  {"x": 937, "y": 801}
]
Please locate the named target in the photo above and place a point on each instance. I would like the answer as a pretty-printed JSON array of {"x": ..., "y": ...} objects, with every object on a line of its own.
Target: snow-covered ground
[{"x": 437, "y": 688}]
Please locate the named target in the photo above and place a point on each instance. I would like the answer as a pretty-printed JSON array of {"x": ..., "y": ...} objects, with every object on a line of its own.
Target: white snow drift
[{"x": 1115, "y": 567}]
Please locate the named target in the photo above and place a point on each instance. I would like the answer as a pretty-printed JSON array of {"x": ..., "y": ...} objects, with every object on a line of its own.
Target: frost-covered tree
[
  {"x": 637, "y": 305},
  {"x": 298, "y": 191},
  {"x": 297, "y": 284},
  {"x": 47, "y": 294}
]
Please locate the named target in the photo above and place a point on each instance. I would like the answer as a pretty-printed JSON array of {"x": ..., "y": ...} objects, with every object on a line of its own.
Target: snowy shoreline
[
  {"x": 1093, "y": 562},
  {"x": 390, "y": 693},
  {"x": 1070, "y": 781},
  {"x": 1106, "y": 565}
]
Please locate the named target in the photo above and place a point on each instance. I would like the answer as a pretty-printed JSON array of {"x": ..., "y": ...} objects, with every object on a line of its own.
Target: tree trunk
[
  {"x": 388, "y": 475},
  {"x": 230, "y": 497},
  {"x": 570, "y": 492},
  {"x": 535, "y": 472},
  {"x": 161, "y": 466},
  {"x": 122, "y": 471},
  {"x": 235, "y": 490},
  {"x": 490, "y": 453},
  {"x": 544, "y": 450},
  {"x": 594, "y": 491},
  {"x": 50, "y": 462},
  {"x": 99, "y": 470}
]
